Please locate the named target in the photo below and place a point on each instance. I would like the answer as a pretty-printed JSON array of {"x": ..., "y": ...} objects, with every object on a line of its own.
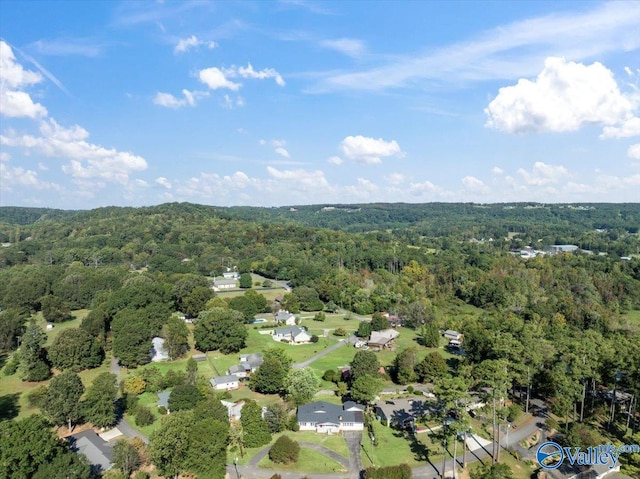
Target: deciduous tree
[
  {"x": 99, "y": 404},
  {"x": 62, "y": 404},
  {"x": 32, "y": 363},
  {"x": 301, "y": 385},
  {"x": 176, "y": 337}
]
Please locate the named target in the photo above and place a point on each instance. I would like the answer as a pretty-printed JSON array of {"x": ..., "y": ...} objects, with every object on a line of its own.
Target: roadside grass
[
  {"x": 309, "y": 461},
  {"x": 519, "y": 469}
]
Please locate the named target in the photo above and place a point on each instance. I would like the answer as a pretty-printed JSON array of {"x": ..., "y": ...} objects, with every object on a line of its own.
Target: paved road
[
  {"x": 124, "y": 426},
  {"x": 350, "y": 340}
]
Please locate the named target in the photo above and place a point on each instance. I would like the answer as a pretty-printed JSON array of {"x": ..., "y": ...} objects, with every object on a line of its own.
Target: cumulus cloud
[
  {"x": 335, "y": 160},
  {"x": 162, "y": 181},
  {"x": 366, "y": 150},
  {"x": 474, "y": 184},
  {"x": 301, "y": 177},
  {"x": 395, "y": 178},
  {"x": 15, "y": 103},
  {"x": 11, "y": 177},
  {"x": 185, "y": 44},
  {"x": 347, "y": 46},
  {"x": 543, "y": 174},
  {"x": 249, "y": 72},
  {"x": 627, "y": 129},
  {"x": 87, "y": 160},
  {"x": 214, "y": 78},
  {"x": 497, "y": 171},
  {"x": 4, "y": 156},
  {"x": 563, "y": 97},
  {"x": 189, "y": 98},
  {"x": 426, "y": 187},
  {"x": 634, "y": 151}
]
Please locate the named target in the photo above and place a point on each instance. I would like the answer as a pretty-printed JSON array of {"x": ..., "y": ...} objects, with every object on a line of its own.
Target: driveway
[
  {"x": 354, "y": 442},
  {"x": 329, "y": 350}
]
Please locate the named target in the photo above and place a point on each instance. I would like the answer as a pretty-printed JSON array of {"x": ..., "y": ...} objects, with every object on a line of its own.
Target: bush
[
  {"x": 11, "y": 367},
  {"x": 284, "y": 451},
  {"x": 320, "y": 316},
  {"x": 410, "y": 389},
  {"x": 144, "y": 416},
  {"x": 402, "y": 471},
  {"x": 162, "y": 410},
  {"x": 293, "y": 424},
  {"x": 314, "y": 338},
  {"x": 141, "y": 475},
  {"x": 331, "y": 375},
  {"x": 340, "y": 332}
]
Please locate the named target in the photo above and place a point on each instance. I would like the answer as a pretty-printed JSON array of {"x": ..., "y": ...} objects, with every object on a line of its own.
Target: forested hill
[{"x": 430, "y": 219}]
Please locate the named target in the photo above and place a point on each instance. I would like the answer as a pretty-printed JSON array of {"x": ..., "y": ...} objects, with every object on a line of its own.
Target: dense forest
[{"x": 563, "y": 324}]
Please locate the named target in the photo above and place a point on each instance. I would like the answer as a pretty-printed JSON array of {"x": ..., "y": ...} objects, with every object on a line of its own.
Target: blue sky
[{"x": 298, "y": 102}]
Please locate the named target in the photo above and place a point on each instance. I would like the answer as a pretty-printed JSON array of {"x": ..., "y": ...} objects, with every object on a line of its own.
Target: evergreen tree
[
  {"x": 32, "y": 364},
  {"x": 364, "y": 362},
  {"x": 54, "y": 310},
  {"x": 255, "y": 429},
  {"x": 429, "y": 335},
  {"x": 404, "y": 364}
]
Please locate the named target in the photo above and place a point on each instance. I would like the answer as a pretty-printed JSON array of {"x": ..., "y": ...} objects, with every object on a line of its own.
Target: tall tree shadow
[{"x": 9, "y": 407}]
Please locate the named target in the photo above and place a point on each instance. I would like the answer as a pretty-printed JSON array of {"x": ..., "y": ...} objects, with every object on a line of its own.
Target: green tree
[
  {"x": 379, "y": 322},
  {"x": 301, "y": 385},
  {"x": 54, "y": 309},
  {"x": 258, "y": 300},
  {"x": 492, "y": 471},
  {"x": 364, "y": 362},
  {"x": 196, "y": 301},
  {"x": 184, "y": 397},
  {"x": 75, "y": 348},
  {"x": 290, "y": 303},
  {"x": 65, "y": 464},
  {"x": 270, "y": 376},
  {"x": 284, "y": 450},
  {"x": 320, "y": 316},
  {"x": 404, "y": 365},
  {"x": 432, "y": 367},
  {"x": 429, "y": 335},
  {"x": 211, "y": 408},
  {"x": 208, "y": 458},
  {"x": 176, "y": 337},
  {"x": 364, "y": 329},
  {"x": 126, "y": 457},
  {"x": 244, "y": 305},
  {"x": 62, "y": 404},
  {"x": 32, "y": 364},
  {"x": 132, "y": 334},
  {"x": 99, "y": 404},
  {"x": 255, "y": 429},
  {"x": 220, "y": 329},
  {"x": 169, "y": 445},
  {"x": 192, "y": 372},
  {"x": 308, "y": 299},
  {"x": 11, "y": 328},
  {"x": 365, "y": 388},
  {"x": 276, "y": 417},
  {"x": 246, "y": 281}
]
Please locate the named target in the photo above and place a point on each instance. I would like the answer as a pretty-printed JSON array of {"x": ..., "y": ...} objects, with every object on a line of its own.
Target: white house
[
  {"x": 286, "y": 318},
  {"x": 234, "y": 409},
  {"x": 219, "y": 284},
  {"x": 231, "y": 275},
  {"x": 450, "y": 334},
  {"x": 327, "y": 418},
  {"x": 291, "y": 334},
  {"x": 249, "y": 363},
  {"x": 158, "y": 351},
  {"x": 227, "y": 383}
]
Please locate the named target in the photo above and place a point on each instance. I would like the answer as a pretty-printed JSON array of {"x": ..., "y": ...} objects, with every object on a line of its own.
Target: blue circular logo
[{"x": 550, "y": 455}]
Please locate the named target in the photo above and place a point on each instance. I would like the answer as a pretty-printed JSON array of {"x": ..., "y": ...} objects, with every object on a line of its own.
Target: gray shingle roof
[
  {"x": 98, "y": 451},
  {"x": 223, "y": 380},
  {"x": 327, "y": 413}
]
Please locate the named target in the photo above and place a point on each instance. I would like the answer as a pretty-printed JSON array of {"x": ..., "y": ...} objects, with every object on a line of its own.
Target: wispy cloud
[
  {"x": 347, "y": 46},
  {"x": 86, "y": 47},
  {"x": 506, "y": 52}
]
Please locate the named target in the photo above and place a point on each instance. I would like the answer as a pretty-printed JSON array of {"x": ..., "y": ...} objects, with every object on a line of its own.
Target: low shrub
[
  {"x": 144, "y": 416},
  {"x": 284, "y": 451}
]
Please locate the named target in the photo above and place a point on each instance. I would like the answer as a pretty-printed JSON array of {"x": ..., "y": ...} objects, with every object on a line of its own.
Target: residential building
[
  {"x": 219, "y": 284},
  {"x": 163, "y": 400},
  {"x": 326, "y": 418},
  {"x": 382, "y": 339},
  {"x": 222, "y": 383},
  {"x": 402, "y": 413},
  {"x": 234, "y": 409},
  {"x": 286, "y": 318},
  {"x": 291, "y": 334},
  {"x": 97, "y": 451},
  {"x": 450, "y": 334}
]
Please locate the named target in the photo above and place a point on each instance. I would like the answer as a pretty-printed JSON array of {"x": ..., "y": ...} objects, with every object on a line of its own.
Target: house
[
  {"x": 285, "y": 317},
  {"x": 234, "y": 409},
  {"x": 249, "y": 363},
  {"x": 222, "y": 383},
  {"x": 561, "y": 248},
  {"x": 231, "y": 275},
  {"x": 450, "y": 334},
  {"x": 219, "y": 284},
  {"x": 326, "y": 418},
  {"x": 402, "y": 413},
  {"x": 97, "y": 451},
  {"x": 163, "y": 400},
  {"x": 382, "y": 339},
  {"x": 291, "y": 334}
]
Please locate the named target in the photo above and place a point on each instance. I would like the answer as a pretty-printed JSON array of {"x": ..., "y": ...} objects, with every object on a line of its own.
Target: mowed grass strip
[{"x": 309, "y": 461}]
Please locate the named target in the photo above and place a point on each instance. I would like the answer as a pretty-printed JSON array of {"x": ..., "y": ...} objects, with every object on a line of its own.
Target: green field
[{"x": 310, "y": 461}]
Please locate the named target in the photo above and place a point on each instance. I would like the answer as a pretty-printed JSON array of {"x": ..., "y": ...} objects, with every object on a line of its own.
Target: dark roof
[
  {"x": 324, "y": 412},
  {"x": 237, "y": 368},
  {"x": 294, "y": 330},
  {"x": 98, "y": 451}
]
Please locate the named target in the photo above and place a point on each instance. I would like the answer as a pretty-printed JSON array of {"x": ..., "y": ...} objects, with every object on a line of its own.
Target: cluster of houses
[
  {"x": 229, "y": 280},
  {"x": 249, "y": 363}
]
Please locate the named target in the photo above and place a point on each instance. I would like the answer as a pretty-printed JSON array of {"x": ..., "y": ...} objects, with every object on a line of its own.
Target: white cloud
[
  {"x": 627, "y": 129},
  {"x": 543, "y": 174},
  {"x": 10, "y": 177},
  {"x": 300, "y": 177},
  {"x": 185, "y": 44},
  {"x": 282, "y": 152},
  {"x": 395, "y": 178},
  {"x": 564, "y": 97},
  {"x": 634, "y": 151},
  {"x": 368, "y": 150},
  {"x": 426, "y": 187},
  {"x": 230, "y": 103},
  {"x": 162, "y": 181},
  {"x": 87, "y": 160},
  {"x": 15, "y": 103},
  {"x": 474, "y": 184},
  {"x": 497, "y": 171},
  {"x": 249, "y": 72},
  {"x": 214, "y": 78},
  {"x": 4, "y": 156},
  {"x": 335, "y": 160},
  {"x": 347, "y": 46},
  {"x": 505, "y": 52}
]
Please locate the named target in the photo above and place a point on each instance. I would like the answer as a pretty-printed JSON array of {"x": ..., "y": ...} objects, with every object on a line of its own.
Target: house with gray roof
[
  {"x": 326, "y": 418},
  {"x": 97, "y": 451},
  {"x": 291, "y": 334},
  {"x": 163, "y": 399},
  {"x": 223, "y": 283},
  {"x": 249, "y": 363},
  {"x": 403, "y": 412},
  {"x": 225, "y": 383},
  {"x": 286, "y": 318}
]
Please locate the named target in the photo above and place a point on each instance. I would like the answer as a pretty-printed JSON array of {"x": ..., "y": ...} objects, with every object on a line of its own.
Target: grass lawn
[
  {"x": 78, "y": 316},
  {"x": 335, "y": 442},
  {"x": 519, "y": 469},
  {"x": 309, "y": 461},
  {"x": 393, "y": 449},
  {"x": 149, "y": 400}
]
